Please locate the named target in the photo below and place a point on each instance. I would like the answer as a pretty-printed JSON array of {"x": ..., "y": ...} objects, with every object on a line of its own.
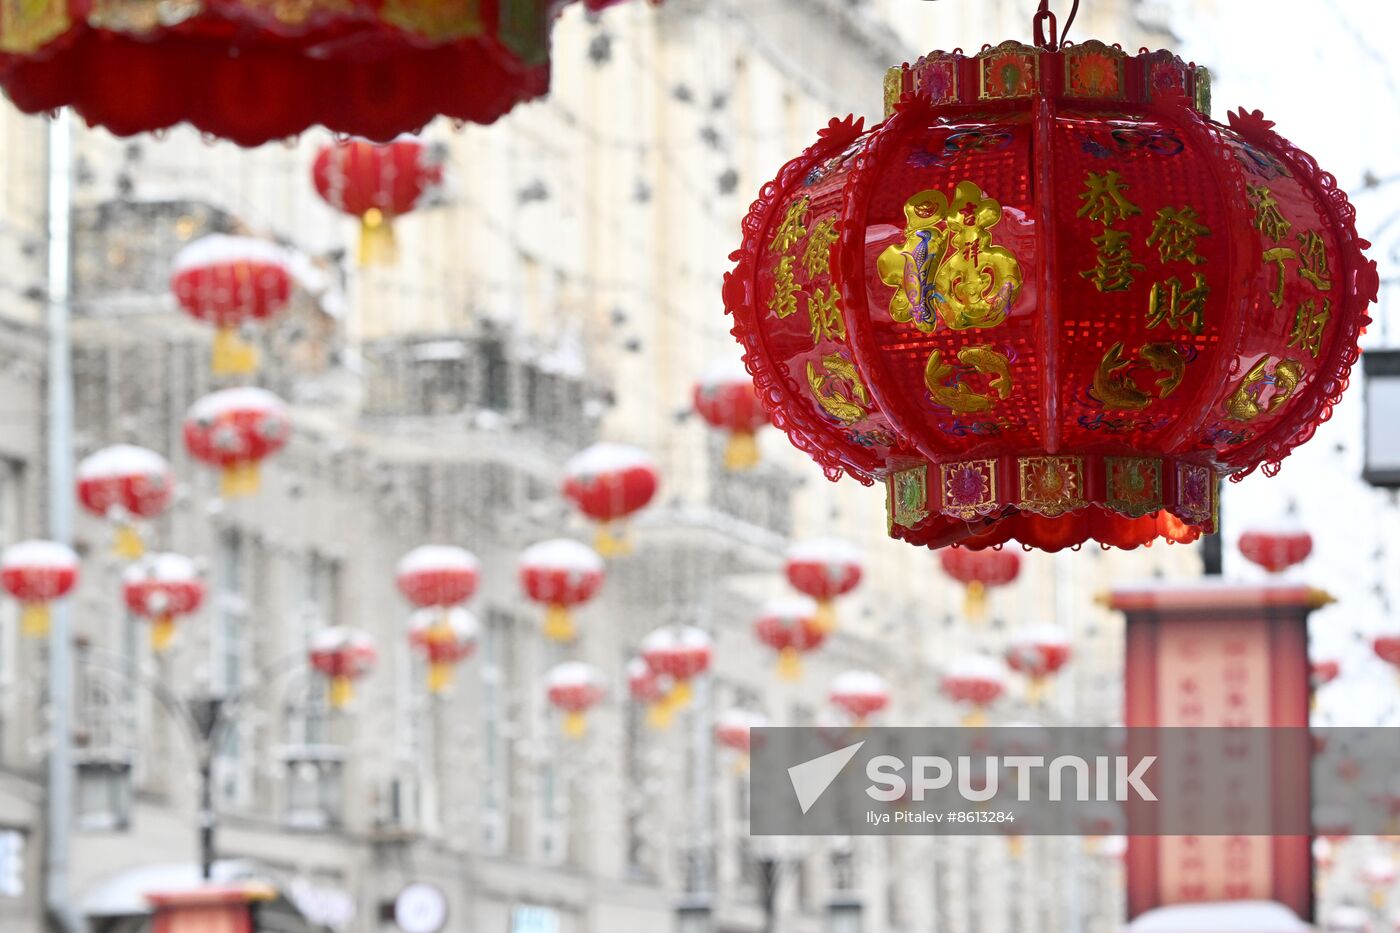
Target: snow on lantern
[
  {"x": 789, "y": 626},
  {"x": 560, "y": 574},
  {"x": 446, "y": 638},
  {"x": 438, "y": 576},
  {"x": 161, "y": 588},
  {"x": 681, "y": 653},
  {"x": 1049, "y": 299},
  {"x": 124, "y": 484},
  {"x": 342, "y": 655},
  {"x": 1276, "y": 548},
  {"x": 36, "y": 573},
  {"x": 574, "y": 688},
  {"x": 824, "y": 569},
  {"x": 651, "y": 690},
  {"x": 734, "y": 730},
  {"x": 725, "y": 398},
  {"x": 974, "y": 681},
  {"x": 979, "y": 571},
  {"x": 607, "y": 483},
  {"x": 235, "y": 430},
  {"x": 375, "y": 183},
  {"x": 1038, "y": 652},
  {"x": 231, "y": 282},
  {"x": 860, "y": 694}
]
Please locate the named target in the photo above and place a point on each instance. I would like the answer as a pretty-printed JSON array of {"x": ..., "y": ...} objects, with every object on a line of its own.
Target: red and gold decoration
[
  {"x": 446, "y": 638},
  {"x": 725, "y": 398},
  {"x": 438, "y": 576},
  {"x": 559, "y": 575},
  {"x": 976, "y": 682},
  {"x": 1276, "y": 549},
  {"x": 651, "y": 690},
  {"x": 342, "y": 655},
  {"x": 125, "y": 485},
  {"x": 680, "y": 653},
  {"x": 734, "y": 730},
  {"x": 36, "y": 573},
  {"x": 574, "y": 688},
  {"x": 1048, "y": 299},
  {"x": 235, "y": 430},
  {"x": 824, "y": 569},
  {"x": 231, "y": 282},
  {"x": 789, "y": 626},
  {"x": 607, "y": 483},
  {"x": 979, "y": 571},
  {"x": 375, "y": 183},
  {"x": 1038, "y": 652},
  {"x": 162, "y": 588},
  {"x": 252, "y": 72},
  {"x": 860, "y": 695}
]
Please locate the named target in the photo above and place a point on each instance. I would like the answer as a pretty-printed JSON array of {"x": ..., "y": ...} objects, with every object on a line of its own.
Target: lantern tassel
[
  {"x": 1035, "y": 691},
  {"x": 559, "y": 624},
  {"x": 162, "y": 632},
  {"x": 439, "y": 677},
  {"x": 239, "y": 480},
  {"x": 741, "y": 763},
  {"x": 741, "y": 452},
  {"x": 660, "y": 714},
  {"x": 611, "y": 541},
  {"x": 680, "y": 695},
  {"x": 378, "y": 245},
  {"x": 1378, "y": 898},
  {"x": 34, "y": 620},
  {"x": 790, "y": 664},
  {"x": 232, "y": 355},
  {"x": 825, "y": 619},
  {"x": 976, "y": 719},
  {"x": 342, "y": 691},
  {"x": 127, "y": 543},
  {"x": 575, "y": 724},
  {"x": 975, "y": 605},
  {"x": 1016, "y": 846}
]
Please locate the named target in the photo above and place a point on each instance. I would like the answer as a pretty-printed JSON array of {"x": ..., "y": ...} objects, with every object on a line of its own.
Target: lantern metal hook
[{"x": 1054, "y": 39}]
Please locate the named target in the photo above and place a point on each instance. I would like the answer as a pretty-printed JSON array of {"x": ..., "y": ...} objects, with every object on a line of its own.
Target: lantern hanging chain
[{"x": 1052, "y": 41}]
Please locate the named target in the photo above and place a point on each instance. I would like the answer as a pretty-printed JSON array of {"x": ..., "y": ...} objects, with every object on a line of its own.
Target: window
[
  {"x": 497, "y": 653},
  {"x": 232, "y": 772},
  {"x": 11, "y": 863}
]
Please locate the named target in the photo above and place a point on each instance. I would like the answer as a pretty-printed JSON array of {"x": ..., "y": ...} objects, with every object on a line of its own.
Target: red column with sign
[{"x": 1221, "y": 655}]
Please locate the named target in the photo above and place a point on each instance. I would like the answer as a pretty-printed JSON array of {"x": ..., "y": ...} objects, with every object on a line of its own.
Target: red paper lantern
[
  {"x": 162, "y": 588},
  {"x": 1387, "y": 648},
  {"x": 36, "y": 573},
  {"x": 124, "y": 484},
  {"x": 651, "y": 690},
  {"x": 446, "y": 638},
  {"x": 734, "y": 730},
  {"x": 560, "y": 574},
  {"x": 376, "y": 183},
  {"x": 230, "y": 282},
  {"x": 1038, "y": 651},
  {"x": 235, "y": 430},
  {"x": 789, "y": 626},
  {"x": 342, "y": 655},
  {"x": 574, "y": 688},
  {"x": 1324, "y": 671},
  {"x": 860, "y": 694},
  {"x": 1276, "y": 549},
  {"x": 725, "y": 398},
  {"x": 980, "y": 571},
  {"x": 1048, "y": 299},
  {"x": 681, "y": 653},
  {"x": 607, "y": 483},
  {"x": 1378, "y": 873},
  {"x": 975, "y": 681},
  {"x": 824, "y": 568},
  {"x": 253, "y": 72},
  {"x": 437, "y": 575}
]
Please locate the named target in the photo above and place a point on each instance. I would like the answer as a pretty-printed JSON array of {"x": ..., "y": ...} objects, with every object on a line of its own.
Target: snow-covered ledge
[{"x": 1224, "y": 917}]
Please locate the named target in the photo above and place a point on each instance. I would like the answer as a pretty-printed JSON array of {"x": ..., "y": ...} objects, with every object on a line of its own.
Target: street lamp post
[{"x": 1382, "y": 399}]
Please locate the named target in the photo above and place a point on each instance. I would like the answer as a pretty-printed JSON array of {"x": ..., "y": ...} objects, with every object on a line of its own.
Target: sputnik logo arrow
[{"x": 811, "y": 778}]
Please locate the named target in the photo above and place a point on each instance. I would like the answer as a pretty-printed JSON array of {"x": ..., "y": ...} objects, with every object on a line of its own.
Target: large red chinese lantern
[
  {"x": 235, "y": 430},
  {"x": 680, "y": 653},
  {"x": 725, "y": 398},
  {"x": 560, "y": 574},
  {"x": 342, "y": 655},
  {"x": 125, "y": 485},
  {"x": 1278, "y": 548},
  {"x": 860, "y": 694},
  {"x": 1038, "y": 651},
  {"x": 375, "y": 183},
  {"x": 36, "y": 573},
  {"x": 574, "y": 688},
  {"x": 446, "y": 638},
  {"x": 1048, "y": 299},
  {"x": 607, "y": 483},
  {"x": 438, "y": 575},
  {"x": 251, "y": 71},
  {"x": 230, "y": 282},
  {"x": 979, "y": 571},
  {"x": 789, "y": 626},
  {"x": 824, "y": 568},
  {"x": 162, "y": 588},
  {"x": 974, "y": 681}
]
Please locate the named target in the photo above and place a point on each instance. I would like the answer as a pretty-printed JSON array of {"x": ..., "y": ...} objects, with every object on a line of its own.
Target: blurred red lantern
[
  {"x": 574, "y": 688},
  {"x": 162, "y": 588},
  {"x": 446, "y": 638},
  {"x": 560, "y": 574},
  {"x": 1324, "y": 671},
  {"x": 734, "y": 730},
  {"x": 824, "y": 568},
  {"x": 230, "y": 282},
  {"x": 608, "y": 482},
  {"x": 252, "y": 72},
  {"x": 1276, "y": 549},
  {"x": 125, "y": 484},
  {"x": 438, "y": 575},
  {"x": 375, "y": 183},
  {"x": 789, "y": 626},
  {"x": 974, "y": 681},
  {"x": 235, "y": 430},
  {"x": 681, "y": 653},
  {"x": 1378, "y": 873},
  {"x": 1038, "y": 651},
  {"x": 1323, "y": 854},
  {"x": 1048, "y": 299},
  {"x": 725, "y": 398},
  {"x": 36, "y": 573},
  {"x": 651, "y": 690},
  {"x": 1387, "y": 648},
  {"x": 860, "y": 694},
  {"x": 979, "y": 571},
  {"x": 342, "y": 655}
]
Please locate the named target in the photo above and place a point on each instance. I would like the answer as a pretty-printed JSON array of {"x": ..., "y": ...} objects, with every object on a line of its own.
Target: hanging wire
[{"x": 1044, "y": 15}]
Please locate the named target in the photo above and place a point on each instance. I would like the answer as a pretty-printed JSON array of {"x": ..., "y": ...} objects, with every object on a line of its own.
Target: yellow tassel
[
  {"x": 1378, "y": 898},
  {"x": 611, "y": 541},
  {"x": 790, "y": 664},
  {"x": 741, "y": 763},
  {"x": 559, "y": 624},
  {"x": 162, "y": 632},
  {"x": 1016, "y": 846},
  {"x": 34, "y": 620},
  {"x": 680, "y": 695},
  {"x": 1312, "y": 702},
  {"x": 660, "y": 714},
  {"x": 825, "y": 619},
  {"x": 439, "y": 676},
  {"x": 341, "y": 692},
  {"x": 232, "y": 355},
  {"x": 378, "y": 245},
  {"x": 239, "y": 480},
  {"x": 975, "y": 719},
  {"x": 741, "y": 453},
  {"x": 1035, "y": 691},
  {"x": 575, "y": 725},
  {"x": 975, "y": 604},
  {"x": 127, "y": 543}
]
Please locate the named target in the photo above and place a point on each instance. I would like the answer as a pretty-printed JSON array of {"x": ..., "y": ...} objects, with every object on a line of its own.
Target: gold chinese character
[
  {"x": 1313, "y": 255},
  {"x": 1104, "y": 199},
  {"x": 793, "y": 227},
  {"x": 827, "y": 323},
  {"x": 1268, "y": 219},
  {"x": 1309, "y": 325},
  {"x": 1114, "y": 272},
  {"x": 1171, "y": 305},
  {"x": 816, "y": 257},
  {"x": 1280, "y": 255},
  {"x": 1175, "y": 234},
  {"x": 785, "y": 290}
]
